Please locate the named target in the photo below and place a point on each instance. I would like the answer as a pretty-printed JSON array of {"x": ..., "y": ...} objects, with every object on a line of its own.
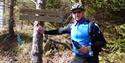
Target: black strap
[{"x": 90, "y": 27}]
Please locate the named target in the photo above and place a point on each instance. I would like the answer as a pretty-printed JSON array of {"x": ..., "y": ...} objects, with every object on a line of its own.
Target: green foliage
[
  {"x": 25, "y": 4},
  {"x": 116, "y": 54},
  {"x": 53, "y": 4},
  {"x": 116, "y": 47},
  {"x": 120, "y": 31},
  {"x": 106, "y": 5},
  {"x": 90, "y": 12},
  {"x": 109, "y": 4}
]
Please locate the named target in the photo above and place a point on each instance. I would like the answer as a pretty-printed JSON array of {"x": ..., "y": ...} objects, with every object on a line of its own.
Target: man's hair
[{"x": 77, "y": 6}]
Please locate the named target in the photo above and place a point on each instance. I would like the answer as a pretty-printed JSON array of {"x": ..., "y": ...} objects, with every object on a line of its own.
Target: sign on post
[{"x": 49, "y": 15}]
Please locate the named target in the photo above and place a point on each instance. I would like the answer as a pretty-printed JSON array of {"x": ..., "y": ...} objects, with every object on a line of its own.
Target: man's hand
[
  {"x": 38, "y": 28},
  {"x": 84, "y": 50}
]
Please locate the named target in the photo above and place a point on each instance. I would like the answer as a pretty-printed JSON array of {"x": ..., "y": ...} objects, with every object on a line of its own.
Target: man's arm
[
  {"x": 59, "y": 31},
  {"x": 97, "y": 39}
]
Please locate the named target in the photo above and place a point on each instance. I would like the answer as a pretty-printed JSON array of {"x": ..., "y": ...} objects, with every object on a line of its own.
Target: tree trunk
[
  {"x": 11, "y": 19},
  {"x": 37, "y": 46}
]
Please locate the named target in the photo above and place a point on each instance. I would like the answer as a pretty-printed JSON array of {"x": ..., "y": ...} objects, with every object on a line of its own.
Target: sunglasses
[{"x": 74, "y": 12}]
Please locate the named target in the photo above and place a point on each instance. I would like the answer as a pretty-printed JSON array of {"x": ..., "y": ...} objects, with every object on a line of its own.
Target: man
[{"x": 85, "y": 50}]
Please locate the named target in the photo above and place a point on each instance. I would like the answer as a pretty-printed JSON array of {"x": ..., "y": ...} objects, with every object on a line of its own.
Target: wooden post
[
  {"x": 40, "y": 14},
  {"x": 37, "y": 48}
]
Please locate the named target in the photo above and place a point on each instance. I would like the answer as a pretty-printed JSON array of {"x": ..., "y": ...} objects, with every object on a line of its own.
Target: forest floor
[
  {"x": 12, "y": 52},
  {"x": 9, "y": 54}
]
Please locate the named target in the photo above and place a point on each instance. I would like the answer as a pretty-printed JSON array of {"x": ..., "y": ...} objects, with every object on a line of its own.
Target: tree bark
[
  {"x": 11, "y": 19},
  {"x": 37, "y": 45}
]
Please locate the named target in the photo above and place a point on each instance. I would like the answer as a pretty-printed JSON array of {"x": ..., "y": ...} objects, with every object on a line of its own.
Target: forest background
[{"x": 109, "y": 14}]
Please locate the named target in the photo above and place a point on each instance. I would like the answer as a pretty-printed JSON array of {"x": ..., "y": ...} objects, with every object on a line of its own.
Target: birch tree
[{"x": 37, "y": 48}]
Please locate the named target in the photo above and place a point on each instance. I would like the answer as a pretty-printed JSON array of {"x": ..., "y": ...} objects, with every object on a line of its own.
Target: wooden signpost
[
  {"x": 49, "y": 15},
  {"x": 38, "y": 15}
]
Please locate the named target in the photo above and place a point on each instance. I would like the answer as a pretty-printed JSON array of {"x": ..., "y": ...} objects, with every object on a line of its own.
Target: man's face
[{"x": 77, "y": 14}]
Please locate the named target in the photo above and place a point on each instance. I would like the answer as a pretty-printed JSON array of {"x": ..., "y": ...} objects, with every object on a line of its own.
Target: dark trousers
[{"x": 93, "y": 59}]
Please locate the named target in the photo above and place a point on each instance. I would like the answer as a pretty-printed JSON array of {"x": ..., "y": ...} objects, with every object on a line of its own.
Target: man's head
[
  {"x": 77, "y": 11},
  {"x": 77, "y": 6}
]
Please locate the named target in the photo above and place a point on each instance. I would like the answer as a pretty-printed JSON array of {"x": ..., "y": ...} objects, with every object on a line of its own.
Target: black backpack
[{"x": 97, "y": 39}]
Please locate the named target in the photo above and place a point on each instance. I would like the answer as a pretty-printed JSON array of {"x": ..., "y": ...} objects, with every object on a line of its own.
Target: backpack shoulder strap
[{"x": 90, "y": 27}]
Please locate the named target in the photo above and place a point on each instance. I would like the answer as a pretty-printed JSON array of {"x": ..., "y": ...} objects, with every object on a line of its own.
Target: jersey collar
[{"x": 83, "y": 20}]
